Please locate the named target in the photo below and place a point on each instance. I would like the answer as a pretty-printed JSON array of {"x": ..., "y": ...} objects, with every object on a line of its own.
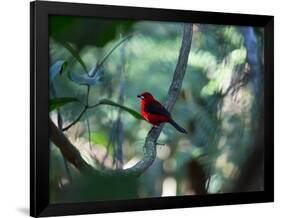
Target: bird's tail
[{"x": 177, "y": 126}]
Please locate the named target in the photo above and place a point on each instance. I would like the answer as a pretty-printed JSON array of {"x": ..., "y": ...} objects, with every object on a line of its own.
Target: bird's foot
[
  {"x": 144, "y": 149},
  {"x": 160, "y": 144}
]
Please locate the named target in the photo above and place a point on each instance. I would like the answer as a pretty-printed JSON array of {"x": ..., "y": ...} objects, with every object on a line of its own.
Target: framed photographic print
[{"x": 141, "y": 109}]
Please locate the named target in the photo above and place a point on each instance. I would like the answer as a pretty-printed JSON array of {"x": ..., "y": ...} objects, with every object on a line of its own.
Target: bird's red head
[{"x": 146, "y": 96}]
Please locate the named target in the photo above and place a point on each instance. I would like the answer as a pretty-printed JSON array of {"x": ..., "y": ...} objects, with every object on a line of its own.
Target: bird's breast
[{"x": 155, "y": 119}]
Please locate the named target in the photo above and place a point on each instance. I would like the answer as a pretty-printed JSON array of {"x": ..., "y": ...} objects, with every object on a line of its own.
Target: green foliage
[
  {"x": 93, "y": 76},
  {"x": 75, "y": 54},
  {"x": 129, "y": 110},
  {"x": 59, "y": 102},
  {"x": 86, "y": 31},
  {"x": 99, "y": 137}
]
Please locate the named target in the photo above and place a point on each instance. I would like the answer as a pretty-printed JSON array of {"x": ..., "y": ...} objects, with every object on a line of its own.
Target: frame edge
[{"x": 32, "y": 201}]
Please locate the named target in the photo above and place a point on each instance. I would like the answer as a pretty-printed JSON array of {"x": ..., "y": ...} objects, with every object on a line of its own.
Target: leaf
[
  {"x": 59, "y": 102},
  {"x": 93, "y": 71},
  {"x": 57, "y": 68},
  {"x": 75, "y": 54},
  {"x": 86, "y": 79},
  {"x": 134, "y": 113}
]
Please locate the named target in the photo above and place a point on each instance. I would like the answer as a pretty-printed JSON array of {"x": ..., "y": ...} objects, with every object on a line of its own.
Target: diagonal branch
[
  {"x": 73, "y": 155},
  {"x": 68, "y": 150}
]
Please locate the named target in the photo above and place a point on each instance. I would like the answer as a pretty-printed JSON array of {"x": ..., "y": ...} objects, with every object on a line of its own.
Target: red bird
[{"x": 155, "y": 113}]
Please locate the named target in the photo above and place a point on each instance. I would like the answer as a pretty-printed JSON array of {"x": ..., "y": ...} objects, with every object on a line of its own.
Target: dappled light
[{"x": 95, "y": 80}]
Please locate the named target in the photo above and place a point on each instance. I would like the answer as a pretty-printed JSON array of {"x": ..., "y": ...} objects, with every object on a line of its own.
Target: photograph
[{"x": 153, "y": 109}]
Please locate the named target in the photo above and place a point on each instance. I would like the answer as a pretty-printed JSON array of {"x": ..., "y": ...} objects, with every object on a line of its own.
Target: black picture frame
[{"x": 39, "y": 95}]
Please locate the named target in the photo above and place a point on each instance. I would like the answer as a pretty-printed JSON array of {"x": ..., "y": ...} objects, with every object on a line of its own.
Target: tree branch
[
  {"x": 73, "y": 155},
  {"x": 174, "y": 90},
  {"x": 180, "y": 70},
  {"x": 68, "y": 150}
]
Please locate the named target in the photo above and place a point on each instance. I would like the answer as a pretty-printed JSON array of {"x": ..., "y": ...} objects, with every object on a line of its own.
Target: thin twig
[
  {"x": 88, "y": 94},
  {"x": 76, "y": 120},
  {"x": 112, "y": 50},
  {"x": 89, "y": 133},
  {"x": 118, "y": 148},
  {"x": 86, "y": 106},
  {"x": 109, "y": 142}
]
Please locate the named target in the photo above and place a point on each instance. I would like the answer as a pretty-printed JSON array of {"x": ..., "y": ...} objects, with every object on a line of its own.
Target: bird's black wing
[{"x": 156, "y": 108}]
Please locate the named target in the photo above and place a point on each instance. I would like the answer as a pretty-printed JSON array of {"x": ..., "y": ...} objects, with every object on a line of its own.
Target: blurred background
[{"x": 220, "y": 105}]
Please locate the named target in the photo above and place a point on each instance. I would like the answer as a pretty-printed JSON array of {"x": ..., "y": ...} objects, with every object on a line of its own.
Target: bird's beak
[{"x": 140, "y": 96}]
